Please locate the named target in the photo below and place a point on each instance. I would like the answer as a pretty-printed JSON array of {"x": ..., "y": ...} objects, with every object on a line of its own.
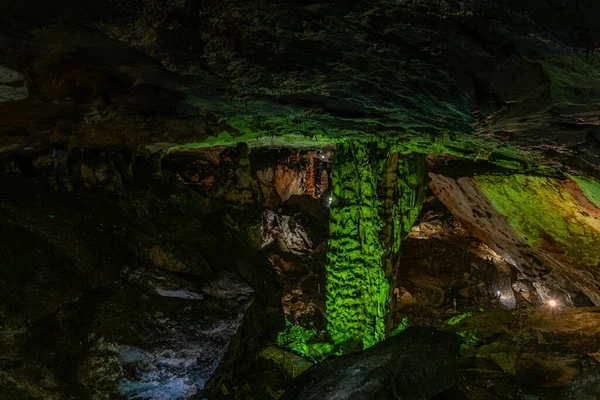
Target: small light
[
  {"x": 498, "y": 293},
  {"x": 552, "y": 303}
]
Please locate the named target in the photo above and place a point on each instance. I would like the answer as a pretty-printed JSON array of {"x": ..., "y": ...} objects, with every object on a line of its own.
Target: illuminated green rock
[
  {"x": 306, "y": 342},
  {"x": 457, "y": 318},
  {"x": 402, "y": 193},
  {"x": 546, "y": 216},
  {"x": 377, "y": 195},
  {"x": 590, "y": 188},
  {"x": 291, "y": 364},
  {"x": 411, "y": 171},
  {"x": 357, "y": 289},
  {"x": 401, "y": 326}
]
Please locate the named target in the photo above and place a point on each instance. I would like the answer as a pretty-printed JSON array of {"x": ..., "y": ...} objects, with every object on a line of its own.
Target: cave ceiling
[{"x": 516, "y": 83}]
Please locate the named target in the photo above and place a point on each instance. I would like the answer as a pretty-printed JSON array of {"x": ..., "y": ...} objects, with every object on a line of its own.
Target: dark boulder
[{"x": 415, "y": 364}]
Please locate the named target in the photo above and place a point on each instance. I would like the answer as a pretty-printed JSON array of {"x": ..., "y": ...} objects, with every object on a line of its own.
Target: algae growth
[{"x": 545, "y": 215}]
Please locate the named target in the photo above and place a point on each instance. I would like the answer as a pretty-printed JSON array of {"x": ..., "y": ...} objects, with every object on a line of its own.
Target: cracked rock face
[
  {"x": 284, "y": 230},
  {"x": 99, "y": 300},
  {"x": 126, "y": 268},
  {"x": 123, "y": 342}
]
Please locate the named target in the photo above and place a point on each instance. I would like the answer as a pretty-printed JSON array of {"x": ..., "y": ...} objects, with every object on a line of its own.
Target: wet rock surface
[
  {"x": 132, "y": 290},
  {"x": 518, "y": 355},
  {"x": 129, "y": 343}
]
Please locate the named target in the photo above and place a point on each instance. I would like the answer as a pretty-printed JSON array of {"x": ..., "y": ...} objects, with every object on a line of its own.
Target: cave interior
[{"x": 288, "y": 199}]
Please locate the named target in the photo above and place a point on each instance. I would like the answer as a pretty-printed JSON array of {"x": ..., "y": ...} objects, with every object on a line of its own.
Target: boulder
[
  {"x": 415, "y": 364},
  {"x": 155, "y": 339}
]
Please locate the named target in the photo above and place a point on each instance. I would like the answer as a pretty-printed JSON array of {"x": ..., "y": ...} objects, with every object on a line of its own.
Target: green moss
[
  {"x": 457, "y": 318},
  {"x": 305, "y": 342},
  {"x": 469, "y": 341},
  {"x": 545, "y": 215},
  {"x": 357, "y": 290},
  {"x": 590, "y": 188},
  {"x": 291, "y": 364},
  {"x": 401, "y": 326}
]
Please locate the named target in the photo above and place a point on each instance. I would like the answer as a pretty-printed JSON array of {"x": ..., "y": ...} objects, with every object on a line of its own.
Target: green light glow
[
  {"x": 590, "y": 188},
  {"x": 257, "y": 139},
  {"x": 306, "y": 342},
  {"x": 292, "y": 364},
  {"x": 401, "y": 326},
  {"x": 357, "y": 289},
  {"x": 410, "y": 197},
  {"x": 457, "y": 318},
  {"x": 545, "y": 215},
  {"x": 469, "y": 341}
]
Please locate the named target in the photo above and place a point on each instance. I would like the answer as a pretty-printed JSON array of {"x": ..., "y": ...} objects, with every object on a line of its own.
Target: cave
[{"x": 299, "y": 200}]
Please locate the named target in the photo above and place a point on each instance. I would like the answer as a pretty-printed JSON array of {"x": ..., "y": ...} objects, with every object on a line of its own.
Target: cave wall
[
  {"x": 95, "y": 94},
  {"x": 125, "y": 284},
  {"x": 547, "y": 228}
]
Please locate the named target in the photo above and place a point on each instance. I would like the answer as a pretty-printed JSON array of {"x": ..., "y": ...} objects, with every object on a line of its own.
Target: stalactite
[
  {"x": 318, "y": 168},
  {"x": 324, "y": 181},
  {"x": 402, "y": 194},
  {"x": 411, "y": 193},
  {"x": 310, "y": 177},
  {"x": 376, "y": 199},
  {"x": 388, "y": 194}
]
